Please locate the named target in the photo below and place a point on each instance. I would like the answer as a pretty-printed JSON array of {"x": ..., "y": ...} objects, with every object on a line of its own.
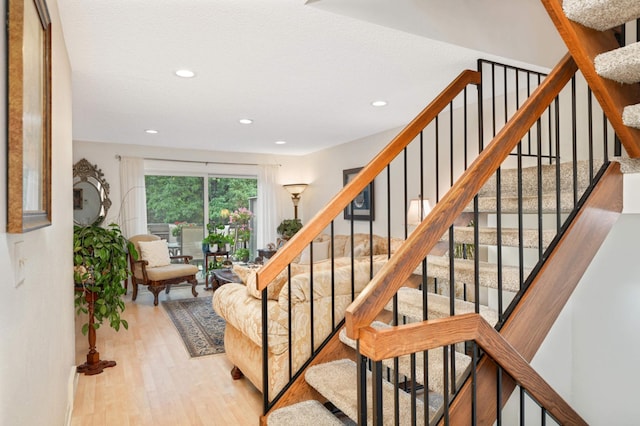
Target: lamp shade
[
  {"x": 418, "y": 210},
  {"x": 295, "y": 188}
]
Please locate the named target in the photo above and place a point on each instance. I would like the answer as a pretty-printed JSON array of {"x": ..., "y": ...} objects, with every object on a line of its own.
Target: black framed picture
[{"x": 362, "y": 205}]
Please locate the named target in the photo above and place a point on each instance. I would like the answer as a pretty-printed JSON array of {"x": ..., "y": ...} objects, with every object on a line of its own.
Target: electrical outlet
[{"x": 19, "y": 263}]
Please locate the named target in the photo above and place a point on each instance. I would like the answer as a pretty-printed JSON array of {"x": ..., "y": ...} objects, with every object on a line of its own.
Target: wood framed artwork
[
  {"x": 29, "y": 116},
  {"x": 362, "y": 207}
]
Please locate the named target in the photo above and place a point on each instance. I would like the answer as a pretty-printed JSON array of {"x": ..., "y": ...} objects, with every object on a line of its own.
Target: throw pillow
[
  {"x": 320, "y": 252},
  {"x": 155, "y": 252},
  {"x": 243, "y": 271}
]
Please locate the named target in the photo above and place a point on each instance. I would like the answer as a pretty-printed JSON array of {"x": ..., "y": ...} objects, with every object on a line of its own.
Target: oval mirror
[{"x": 90, "y": 194}]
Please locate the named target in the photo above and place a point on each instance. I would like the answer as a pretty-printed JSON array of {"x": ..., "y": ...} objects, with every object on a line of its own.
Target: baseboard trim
[{"x": 72, "y": 385}]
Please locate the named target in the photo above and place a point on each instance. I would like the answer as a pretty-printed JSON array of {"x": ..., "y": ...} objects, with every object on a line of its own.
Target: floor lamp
[{"x": 295, "y": 189}]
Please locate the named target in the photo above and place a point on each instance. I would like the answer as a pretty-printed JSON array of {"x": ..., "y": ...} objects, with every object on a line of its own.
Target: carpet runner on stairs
[
  {"x": 305, "y": 413},
  {"x": 623, "y": 64},
  {"x": 568, "y": 175},
  {"x": 410, "y": 305},
  {"x": 435, "y": 366},
  {"x": 509, "y": 236},
  {"x": 336, "y": 381},
  {"x": 464, "y": 272},
  {"x": 601, "y": 15}
]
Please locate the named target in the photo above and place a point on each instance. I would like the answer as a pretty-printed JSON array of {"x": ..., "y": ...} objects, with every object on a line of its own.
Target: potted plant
[
  {"x": 242, "y": 254},
  {"x": 205, "y": 244},
  {"x": 215, "y": 242},
  {"x": 288, "y": 228},
  {"x": 100, "y": 264},
  {"x": 227, "y": 240}
]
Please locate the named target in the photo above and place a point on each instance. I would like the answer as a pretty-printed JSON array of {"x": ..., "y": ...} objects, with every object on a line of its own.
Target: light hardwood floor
[{"x": 155, "y": 382}]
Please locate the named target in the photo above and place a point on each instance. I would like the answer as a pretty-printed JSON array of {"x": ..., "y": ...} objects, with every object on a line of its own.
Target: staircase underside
[{"x": 585, "y": 44}]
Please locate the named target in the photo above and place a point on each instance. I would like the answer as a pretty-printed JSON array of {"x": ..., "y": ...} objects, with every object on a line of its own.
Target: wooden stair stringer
[
  {"x": 526, "y": 327},
  {"x": 300, "y": 390},
  {"x": 585, "y": 44}
]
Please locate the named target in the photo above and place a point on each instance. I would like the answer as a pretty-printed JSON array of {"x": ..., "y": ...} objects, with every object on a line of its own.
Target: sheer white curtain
[
  {"x": 133, "y": 210},
  {"x": 267, "y": 210}
]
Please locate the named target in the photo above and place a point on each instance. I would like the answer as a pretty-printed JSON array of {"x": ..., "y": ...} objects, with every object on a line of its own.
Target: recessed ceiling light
[
  {"x": 185, "y": 73},
  {"x": 245, "y": 121},
  {"x": 151, "y": 131},
  {"x": 379, "y": 103},
  {"x": 280, "y": 142}
]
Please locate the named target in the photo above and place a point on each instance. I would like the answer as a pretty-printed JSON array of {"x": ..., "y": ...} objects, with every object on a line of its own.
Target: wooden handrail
[
  {"x": 397, "y": 270},
  {"x": 411, "y": 338},
  {"x": 324, "y": 217},
  {"x": 585, "y": 44}
]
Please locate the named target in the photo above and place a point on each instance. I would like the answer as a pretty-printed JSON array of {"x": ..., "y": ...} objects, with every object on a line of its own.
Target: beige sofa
[{"x": 240, "y": 305}]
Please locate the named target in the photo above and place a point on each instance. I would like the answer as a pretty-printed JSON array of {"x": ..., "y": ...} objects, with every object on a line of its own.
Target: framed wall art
[
  {"x": 29, "y": 116},
  {"x": 362, "y": 205}
]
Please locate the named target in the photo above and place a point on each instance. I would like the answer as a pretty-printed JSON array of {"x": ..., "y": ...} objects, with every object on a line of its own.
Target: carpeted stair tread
[
  {"x": 631, "y": 116},
  {"x": 601, "y": 14},
  {"x": 436, "y": 365},
  {"x": 305, "y": 413},
  {"x": 438, "y": 306},
  {"x": 529, "y": 204},
  {"x": 337, "y": 381},
  {"x": 509, "y": 236},
  {"x": 549, "y": 173},
  {"x": 621, "y": 65},
  {"x": 438, "y": 267}
]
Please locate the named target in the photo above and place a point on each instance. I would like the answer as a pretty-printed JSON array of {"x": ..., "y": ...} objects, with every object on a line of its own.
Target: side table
[
  {"x": 265, "y": 254},
  {"x": 223, "y": 276}
]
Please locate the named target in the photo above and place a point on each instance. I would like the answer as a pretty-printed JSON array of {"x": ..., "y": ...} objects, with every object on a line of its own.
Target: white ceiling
[{"x": 305, "y": 72}]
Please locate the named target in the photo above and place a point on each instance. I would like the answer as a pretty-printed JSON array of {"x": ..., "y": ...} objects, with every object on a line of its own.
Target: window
[{"x": 182, "y": 202}]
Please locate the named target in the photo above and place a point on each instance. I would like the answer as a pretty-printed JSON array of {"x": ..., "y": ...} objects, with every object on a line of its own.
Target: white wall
[
  {"x": 605, "y": 326},
  {"x": 589, "y": 356},
  {"x": 37, "y": 353}
]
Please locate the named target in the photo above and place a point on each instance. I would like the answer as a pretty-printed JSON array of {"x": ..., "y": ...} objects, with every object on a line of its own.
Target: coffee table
[{"x": 220, "y": 277}]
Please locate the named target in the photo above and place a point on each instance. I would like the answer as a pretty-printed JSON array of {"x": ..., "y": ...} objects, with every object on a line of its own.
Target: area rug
[{"x": 201, "y": 329}]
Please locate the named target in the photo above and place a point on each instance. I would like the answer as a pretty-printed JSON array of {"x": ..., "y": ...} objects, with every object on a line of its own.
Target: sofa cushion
[
  {"x": 274, "y": 287},
  {"x": 324, "y": 284},
  {"x": 156, "y": 253},
  {"x": 245, "y": 314},
  {"x": 320, "y": 252}
]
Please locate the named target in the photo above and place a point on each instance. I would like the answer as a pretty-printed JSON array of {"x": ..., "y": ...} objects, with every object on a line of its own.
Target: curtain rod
[{"x": 119, "y": 157}]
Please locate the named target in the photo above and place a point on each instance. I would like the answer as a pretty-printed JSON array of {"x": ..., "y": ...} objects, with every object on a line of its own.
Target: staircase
[
  {"x": 417, "y": 358},
  {"x": 335, "y": 380}
]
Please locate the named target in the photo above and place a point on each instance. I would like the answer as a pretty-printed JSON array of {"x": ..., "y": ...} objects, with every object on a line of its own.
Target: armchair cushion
[
  {"x": 156, "y": 253},
  {"x": 172, "y": 270}
]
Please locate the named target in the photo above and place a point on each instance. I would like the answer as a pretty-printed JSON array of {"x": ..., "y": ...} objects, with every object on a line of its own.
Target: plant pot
[
  {"x": 205, "y": 247},
  {"x": 213, "y": 248},
  {"x": 227, "y": 247}
]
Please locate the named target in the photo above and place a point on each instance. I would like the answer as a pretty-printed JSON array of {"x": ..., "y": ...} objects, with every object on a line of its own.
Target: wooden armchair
[{"x": 154, "y": 268}]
